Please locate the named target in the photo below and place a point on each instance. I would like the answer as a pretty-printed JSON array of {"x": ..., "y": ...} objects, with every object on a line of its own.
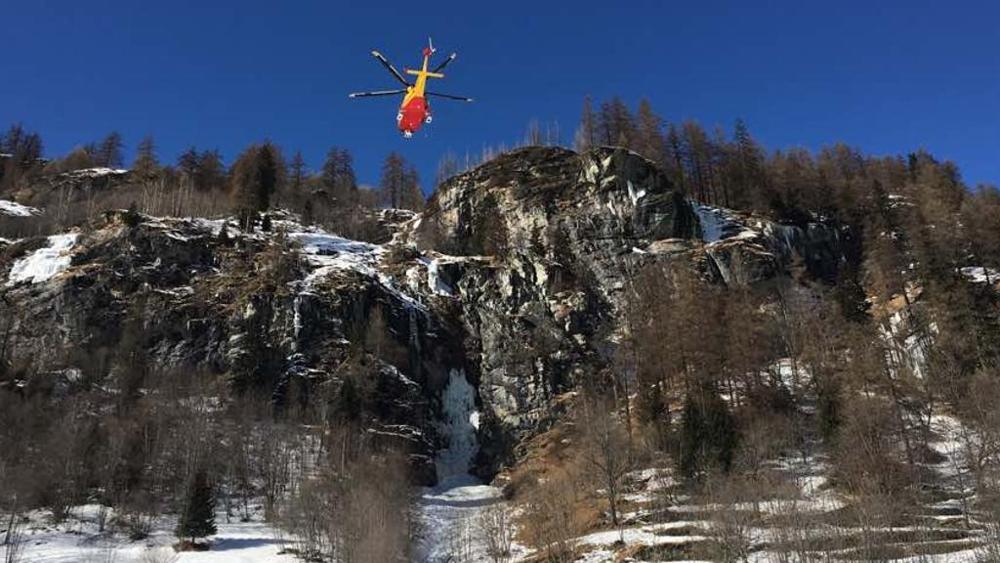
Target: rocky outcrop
[
  {"x": 564, "y": 233},
  {"x": 516, "y": 274},
  {"x": 259, "y": 309}
]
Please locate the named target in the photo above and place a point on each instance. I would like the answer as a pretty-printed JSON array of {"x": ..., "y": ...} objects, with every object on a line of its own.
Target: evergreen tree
[
  {"x": 708, "y": 434},
  {"x": 394, "y": 178},
  {"x": 349, "y": 403},
  {"x": 198, "y": 518}
]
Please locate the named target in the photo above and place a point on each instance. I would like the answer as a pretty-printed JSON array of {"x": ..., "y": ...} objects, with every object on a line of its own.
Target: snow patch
[
  {"x": 980, "y": 274},
  {"x": 14, "y": 209},
  {"x": 95, "y": 172},
  {"x": 79, "y": 540},
  {"x": 656, "y": 534},
  {"x": 717, "y": 225},
  {"x": 44, "y": 263}
]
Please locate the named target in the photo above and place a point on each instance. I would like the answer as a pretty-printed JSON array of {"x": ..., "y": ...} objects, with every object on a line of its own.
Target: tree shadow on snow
[{"x": 232, "y": 544}]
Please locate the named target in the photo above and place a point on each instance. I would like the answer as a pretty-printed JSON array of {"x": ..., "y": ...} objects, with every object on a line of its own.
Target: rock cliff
[{"x": 516, "y": 273}]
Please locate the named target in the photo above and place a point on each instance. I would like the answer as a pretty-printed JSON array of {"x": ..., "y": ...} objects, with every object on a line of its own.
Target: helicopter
[{"x": 414, "y": 111}]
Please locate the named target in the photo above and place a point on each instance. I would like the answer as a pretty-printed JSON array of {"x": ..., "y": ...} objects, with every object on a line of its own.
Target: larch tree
[
  {"x": 412, "y": 196},
  {"x": 338, "y": 175},
  {"x": 586, "y": 134},
  {"x": 255, "y": 177},
  {"x": 616, "y": 125},
  {"x": 109, "y": 151},
  {"x": 211, "y": 171},
  {"x": 393, "y": 184},
  {"x": 25, "y": 150},
  {"x": 146, "y": 164},
  {"x": 649, "y": 134},
  {"x": 447, "y": 167},
  {"x": 298, "y": 171}
]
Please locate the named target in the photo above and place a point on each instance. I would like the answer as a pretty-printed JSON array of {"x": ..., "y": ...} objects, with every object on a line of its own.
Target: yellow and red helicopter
[{"x": 414, "y": 111}]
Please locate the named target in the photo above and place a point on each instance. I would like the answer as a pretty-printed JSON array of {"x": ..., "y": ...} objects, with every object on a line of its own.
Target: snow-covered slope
[
  {"x": 44, "y": 263},
  {"x": 79, "y": 540}
]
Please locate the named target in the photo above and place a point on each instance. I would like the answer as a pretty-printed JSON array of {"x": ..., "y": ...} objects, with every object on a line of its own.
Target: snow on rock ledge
[
  {"x": 44, "y": 263},
  {"x": 95, "y": 172},
  {"x": 14, "y": 209}
]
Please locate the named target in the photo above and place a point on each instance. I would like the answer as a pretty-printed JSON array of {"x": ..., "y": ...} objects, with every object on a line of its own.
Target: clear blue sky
[{"x": 887, "y": 77}]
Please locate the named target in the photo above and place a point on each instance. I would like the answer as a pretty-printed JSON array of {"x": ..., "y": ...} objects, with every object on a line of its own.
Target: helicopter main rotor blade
[
  {"x": 445, "y": 62},
  {"x": 388, "y": 66},
  {"x": 449, "y": 96},
  {"x": 376, "y": 93}
]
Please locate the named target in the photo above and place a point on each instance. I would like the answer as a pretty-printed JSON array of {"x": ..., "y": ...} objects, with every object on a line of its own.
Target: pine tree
[
  {"x": 198, "y": 518},
  {"x": 393, "y": 182},
  {"x": 708, "y": 434}
]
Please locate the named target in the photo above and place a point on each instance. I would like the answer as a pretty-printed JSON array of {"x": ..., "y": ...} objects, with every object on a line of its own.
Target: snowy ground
[
  {"x": 78, "y": 541},
  {"x": 450, "y": 512}
]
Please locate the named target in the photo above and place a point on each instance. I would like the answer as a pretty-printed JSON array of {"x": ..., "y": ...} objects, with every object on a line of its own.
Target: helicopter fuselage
[{"x": 415, "y": 111}]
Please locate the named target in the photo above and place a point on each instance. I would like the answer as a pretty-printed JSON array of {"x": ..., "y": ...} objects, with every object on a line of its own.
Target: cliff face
[
  {"x": 565, "y": 233},
  {"x": 515, "y": 274}
]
